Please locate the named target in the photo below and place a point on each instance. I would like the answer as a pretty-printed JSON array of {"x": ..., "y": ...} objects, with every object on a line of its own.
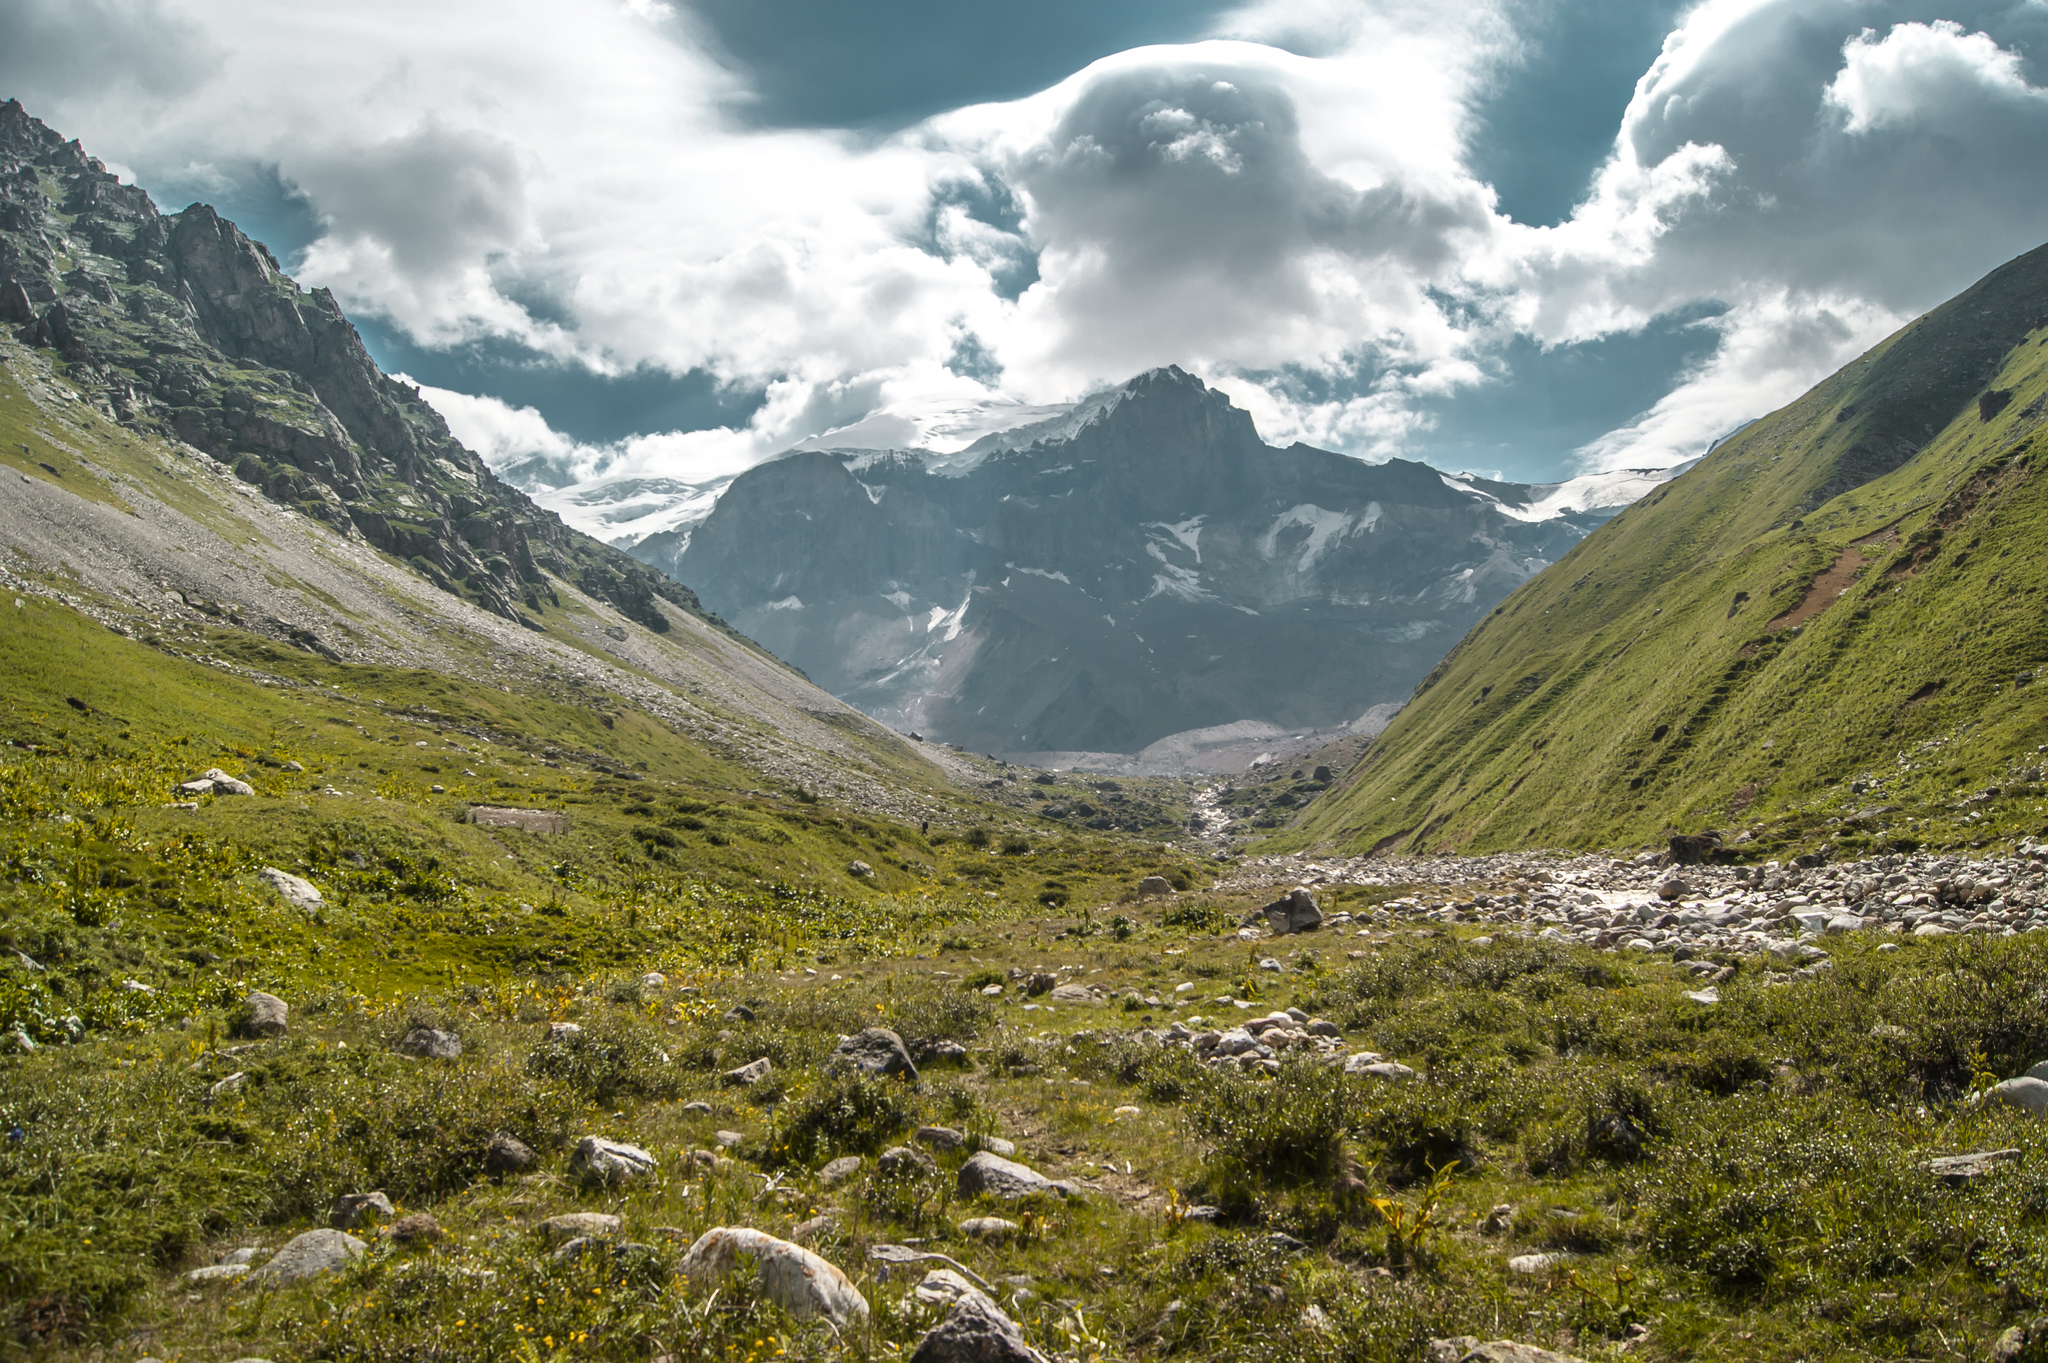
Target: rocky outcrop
[{"x": 182, "y": 325}]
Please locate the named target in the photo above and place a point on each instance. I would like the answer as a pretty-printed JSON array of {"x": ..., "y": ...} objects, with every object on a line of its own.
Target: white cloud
[{"x": 1292, "y": 195}]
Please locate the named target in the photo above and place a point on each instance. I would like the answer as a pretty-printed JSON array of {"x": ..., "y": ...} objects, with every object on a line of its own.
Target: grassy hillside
[{"x": 1821, "y": 634}]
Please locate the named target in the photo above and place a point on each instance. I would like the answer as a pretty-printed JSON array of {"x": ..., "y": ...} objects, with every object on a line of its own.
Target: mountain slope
[
  {"x": 1829, "y": 627},
  {"x": 1137, "y": 566}
]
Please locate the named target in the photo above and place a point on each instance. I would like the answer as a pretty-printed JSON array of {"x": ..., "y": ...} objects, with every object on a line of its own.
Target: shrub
[
  {"x": 613, "y": 1056},
  {"x": 848, "y": 1115}
]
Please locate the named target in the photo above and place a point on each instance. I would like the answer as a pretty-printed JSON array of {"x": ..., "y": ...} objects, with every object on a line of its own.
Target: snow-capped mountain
[{"x": 1101, "y": 576}]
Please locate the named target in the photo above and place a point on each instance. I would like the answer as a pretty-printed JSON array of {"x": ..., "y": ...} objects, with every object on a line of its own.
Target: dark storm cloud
[{"x": 60, "y": 50}]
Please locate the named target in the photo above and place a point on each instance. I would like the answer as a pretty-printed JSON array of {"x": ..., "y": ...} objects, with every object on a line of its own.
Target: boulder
[
  {"x": 506, "y": 1154},
  {"x": 940, "y": 1137},
  {"x": 307, "y": 1256},
  {"x": 2029, "y": 1095},
  {"x": 416, "y": 1228},
  {"x": 859, "y": 869},
  {"x": 1074, "y": 993},
  {"x": 746, "y": 1076},
  {"x": 264, "y": 1015},
  {"x": 975, "y": 1330},
  {"x": 1677, "y": 887},
  {"x": 904, "y": 1161},
  {"x": 876, "y": 1051},
  {"x": 430, "y": 1043},
  {"x": 558, "y": 1230},
  {"x": 224, "y": 784},
  {"x": 1294, "y": 912},
  {"x": 1151, "y": 887},
  {"x": 604, "y": 1163},
  {"x": 989, "y": 1174},
  {"x": 1962, "y": 1168},
  {"x": 787, "y": 1274},
  {"x": 354, "y": 1209},
  {"x": 300, "y": 894},
  {"x": 1466, "y": 1349},
  {"x": 839, "y": 1170}
]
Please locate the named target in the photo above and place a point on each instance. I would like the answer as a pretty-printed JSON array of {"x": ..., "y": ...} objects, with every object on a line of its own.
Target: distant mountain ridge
[{"x": 1110, "y": 574}]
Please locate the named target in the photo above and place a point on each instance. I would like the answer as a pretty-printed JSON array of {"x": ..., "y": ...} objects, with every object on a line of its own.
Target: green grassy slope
[{"x": 1649, "y": 682}]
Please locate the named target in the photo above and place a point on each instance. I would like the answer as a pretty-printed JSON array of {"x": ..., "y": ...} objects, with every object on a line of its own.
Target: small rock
[
  {"x": 1295, "y": 912},
  {"x": 569, "y": 1226},
  {"x": 224, "y": 784},
  {"x": 1074, "y": 993},
  {"x": 729, "y": 1140},
  {"x": 789, "y": 1275},
  {"x": 700, "y": 1108},
  {"x": 300, "y": 894},
  {"x": 1040, "y": 982},
  {"x": 1960, "y": 1168},
  {"x": 353, "y": 1209},
  {"x": 746, "y": 1076},
  {"x": 805, "y": 1232},
  {"x": 1384, "y": 1069},
  {"x": 265, "y": 1015},
  {"x": 506, "y": 1154},
  {"x": 232, "y": 1084},
  {"x": 940, "y": 1137},
  {"x": 1151, "y": 887},
  {"x": 1500, "y": 1220},
  {"x": 306, "y": 1256},
  {"x": 430, "y": 1043},
  {"x": 996, "y": 1145},
  {"x": 216, "y": 1272},
  {"x": 876, "y": 1051},
  {"x": 1534, "y": 1263},
  {"x": 1844, "y": 922},
  {"x": 564, "y": 1033},
  {"x": 739, "y": 1012},
  {"x": 989, "y": 1174},
  {"x": 860, "y": 869},
  {"x": 975, "y": 1330},
  {"x": 904, "y": 1161},
  {"x": 989, "y": 1228},
  {"x": 839, "y": 1170},
  {"x": 653, "y": 979},
  {"x": 415, "y": 1228},
  {"x": 2029, "y": 1095},
  {"x": 1466, "y": 1349},
  {"x": 1706, "y": 997},
  {"x": 1677, "y": 887},
  {"x": 605, "y": 1163}
]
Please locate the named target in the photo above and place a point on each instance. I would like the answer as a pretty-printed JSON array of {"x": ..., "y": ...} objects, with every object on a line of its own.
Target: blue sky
[{"x": 672, "y": 237}]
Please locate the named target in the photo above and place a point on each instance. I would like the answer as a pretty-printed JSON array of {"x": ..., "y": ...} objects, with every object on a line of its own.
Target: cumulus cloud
[{"x": 1286, "y": 207}]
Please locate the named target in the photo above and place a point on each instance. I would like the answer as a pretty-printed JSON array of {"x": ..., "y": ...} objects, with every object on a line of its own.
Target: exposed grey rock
[
  {"x": 839, "y": 1170},
  {"x": 355, "y": 1209},
  {"x": 729, "y": 1139},
  {"x": 1466, "y": 1349},
  {"x": 1151, "y": 887},
  {"x": 414, "y": 1228},
  {"x": 739, "y": 1012},
  {"x": 1961, "y": 1168},
  {"x": 748, "y": 1075},
  {"x": 859, "y": 869},
  {"x": 230, "y": 1085},
  {"x": 2021, "y": 1342},
  {"x": 530, "y": 820},
  {"x": 506, "y": 1154},
  {"x": 1383, "y": 1069},
  {"x": 2029, "y": 1095},
  {"x": 1677, "y": 887},
  {"x": 1533, "y": 1264},
  {"x": 607, "y": 1163},
  {"x": 789, "y": 1275},
  {"x": 306, "y": 1256},
  {"x": 1074, "y": 993},
  {"x": 578, "y": 1225},
  {"x": 430, "y": 1043},
  {"x": 564, "y": 1032},
  {"x": 813, "y": 1230},
  {"x": 992, "y": 1175},
  {"x": 300, "y": 894},
  {"x": 901, "y": 1161},
  {"x": 216, "y": 1273},
  {"x": 1294, "y": 912},
  {"x": 265, "y": 1015},
  {"x": 989, "y": 1228},
  {"x": 940, "y": 1137},
  {"x": 699, "y": 1108},
  {"x": 876, "y": 1051},
  {"x": 224, "y": 784},
  {"x": 975, "y": 1330}
]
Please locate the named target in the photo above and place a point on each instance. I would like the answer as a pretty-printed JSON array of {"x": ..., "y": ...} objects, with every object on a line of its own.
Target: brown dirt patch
[{"x": 1837, "y": 578}]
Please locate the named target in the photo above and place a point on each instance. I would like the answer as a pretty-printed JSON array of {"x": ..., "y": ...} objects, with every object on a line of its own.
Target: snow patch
[
  {"x": 787, "y": 603},
  {"x": 1324, "y": 527}
]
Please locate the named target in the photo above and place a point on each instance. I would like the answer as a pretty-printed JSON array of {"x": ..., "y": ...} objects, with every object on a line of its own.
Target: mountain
[
  {"x": 1829, "y": 630},
  {"x": 1089, "y": 580},
  {"x": 197, "y": 445}
]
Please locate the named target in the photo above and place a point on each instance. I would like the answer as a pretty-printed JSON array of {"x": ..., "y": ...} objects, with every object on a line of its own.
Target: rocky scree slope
[
  {"x": 1827, "y": 631},
  {"x": 1141, "y": 566},
  {"x": 180, "y": 325}
]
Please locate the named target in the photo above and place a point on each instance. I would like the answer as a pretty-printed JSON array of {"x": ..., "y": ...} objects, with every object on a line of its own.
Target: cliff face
[{"x": 181, "y": 325}]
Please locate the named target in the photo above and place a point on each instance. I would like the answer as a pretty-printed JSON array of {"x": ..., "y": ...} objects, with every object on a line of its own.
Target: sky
[{"x": 670, "y": 238}]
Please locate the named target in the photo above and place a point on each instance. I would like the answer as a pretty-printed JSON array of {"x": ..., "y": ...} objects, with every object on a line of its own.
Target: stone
[
  {"x": 1384, "y": 1069},
  {"x": 1677, "y": 887},
  {"x": 839, "y": 1170},
  {"x": 1932, "y": 930},
  {"x": 1500, "y": 1220},
  {"x": 746, "y": 1076},
  {"x": 798, "y": 1281},
  {"x": 1961, "y": 1168},
  {"x": 904, "y": 1161},
  {"x": 1355, "y": 1064},
  {"x": 1466, "y": 1349},
  {"x": 564, "y": 1032},
  {"x": 942, "y": 1050},
  {"x": 1706, "y": 997},
  {"x": 876, "y": 1051},
  {"x": 430, "y": 1043},
  {"x": 1844, "y": 922},
  {"x": 604, "y": 1163},
  {"x": 557, "y": 1230},
  {"x": 300, "y": 894},
  {"x": 699, "y": 1108},
  {"x": 230, "y": 1085},
  {"x": 989, "y": 1228},
  {"x": 306, "y": 1256},
  {"x": 224, "y": 784},
  {"x": 818, "y": 1227},
  {"x": 529, "y": 820},
  {"x": 739, "y": 1012},
  {"x": 859, "y": 869},
  {"x": 1151, "y": 887},
  {"x": 1533, "y": 1264},
  {"x": 975, "y": 1330},
  {"x": 354, "y": 1209},
  {"x": 1074, "y": 993},
  {"x": 995, "y": 1145},
  {"x": 1040, "y": 982},
  {"x": 2029, "y": 1095},
  {"x": 940, "y": 1137},
  {"x": 506, "y": 1154},
  {"x": 264, "y": 1015},
  {"x": 415, "y": 1228},
  {"x": 994, "y": 1176},
  {"x": 1294, "y": 912},
  {"x": 216, "y": 1272},
  {"x": 2021, "y": 1342},
  {"x": 654, "y": 979},
  {"x": 729, "y": 1140}
]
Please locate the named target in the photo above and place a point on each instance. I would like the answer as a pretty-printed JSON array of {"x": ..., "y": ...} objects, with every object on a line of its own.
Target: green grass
[{"x": 1637, "y": 687}]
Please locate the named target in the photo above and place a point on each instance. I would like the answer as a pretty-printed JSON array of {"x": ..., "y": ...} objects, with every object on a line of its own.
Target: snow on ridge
[{"x": 1589, "y": 492}]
